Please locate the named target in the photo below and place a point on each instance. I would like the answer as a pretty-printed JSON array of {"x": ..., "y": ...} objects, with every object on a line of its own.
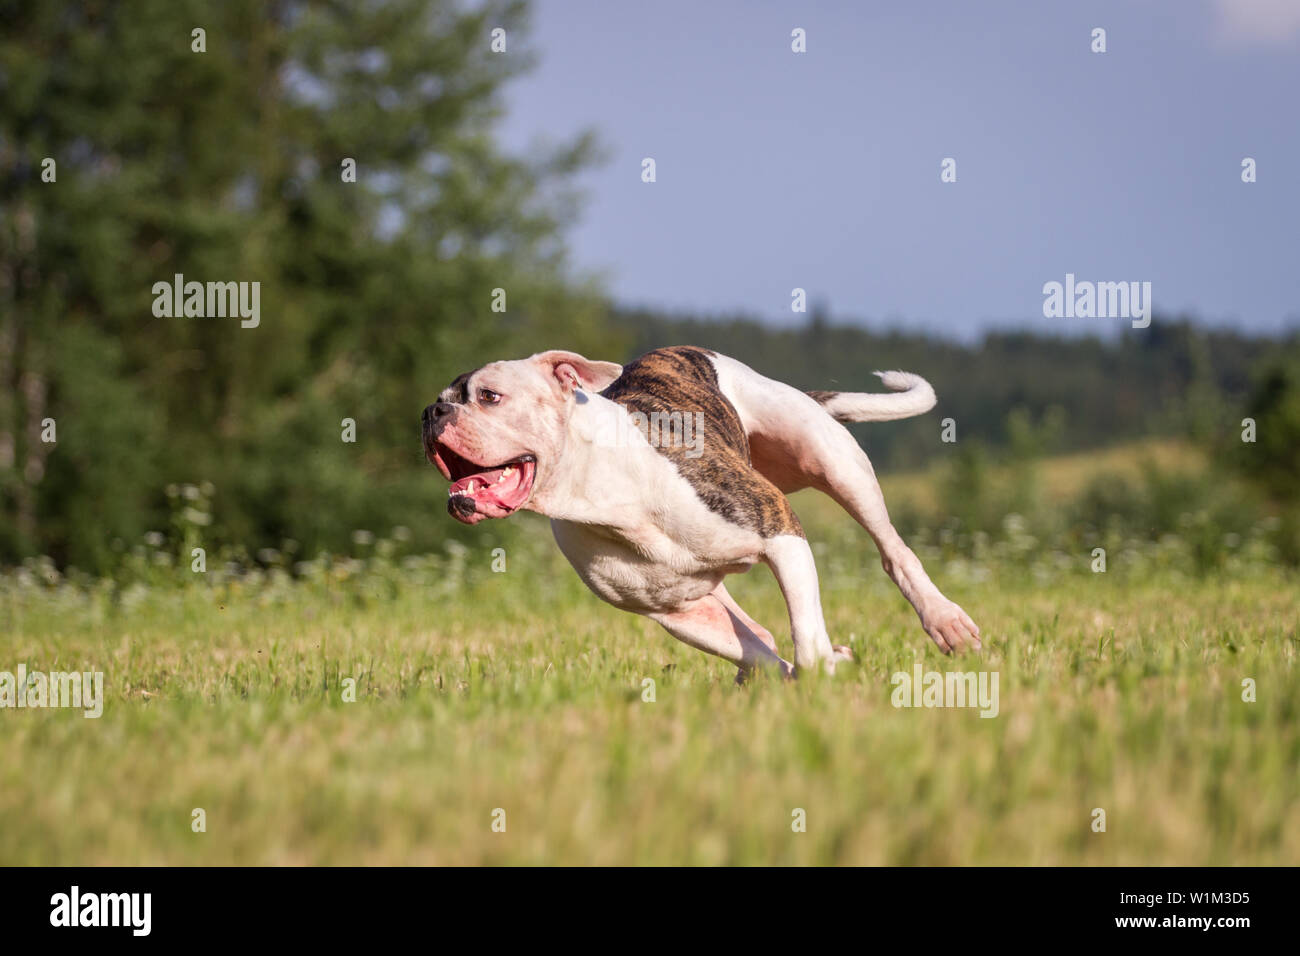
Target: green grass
[
  {"x": 518, "y": 690},
  {"x": 1062, "y": 477}
]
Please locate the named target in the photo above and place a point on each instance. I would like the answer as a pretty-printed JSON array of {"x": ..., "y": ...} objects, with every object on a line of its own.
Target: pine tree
[{"x": 229, "y": 165}]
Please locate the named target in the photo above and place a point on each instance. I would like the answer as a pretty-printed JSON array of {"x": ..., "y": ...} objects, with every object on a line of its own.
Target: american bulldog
[{"x": 652, "y": 520}]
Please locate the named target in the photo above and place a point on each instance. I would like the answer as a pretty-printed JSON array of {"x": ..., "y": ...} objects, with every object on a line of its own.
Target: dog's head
[{"x": 498, "y": 433}]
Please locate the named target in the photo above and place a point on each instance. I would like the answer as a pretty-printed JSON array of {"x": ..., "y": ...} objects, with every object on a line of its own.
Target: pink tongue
[
  {"x": 505, "y": 493},
  {"x": 484, "y": 480}
]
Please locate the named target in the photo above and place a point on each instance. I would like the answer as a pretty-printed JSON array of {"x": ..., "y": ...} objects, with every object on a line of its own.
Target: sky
[{"x": 821, "y": 170}]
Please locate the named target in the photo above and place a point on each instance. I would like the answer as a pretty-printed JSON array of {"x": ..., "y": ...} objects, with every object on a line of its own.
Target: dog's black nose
[
  {"x": 436, "y": 417},
  {"x": 436, "y": 412}
]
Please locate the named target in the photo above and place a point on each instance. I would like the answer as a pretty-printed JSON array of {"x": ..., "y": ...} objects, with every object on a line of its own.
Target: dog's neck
[{"x": 601, "y": 482}]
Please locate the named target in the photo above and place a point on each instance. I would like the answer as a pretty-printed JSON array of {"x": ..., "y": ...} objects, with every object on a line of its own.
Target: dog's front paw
[
  {"x": 839, "y": 655},
  {"x": 950, "y": 627}
]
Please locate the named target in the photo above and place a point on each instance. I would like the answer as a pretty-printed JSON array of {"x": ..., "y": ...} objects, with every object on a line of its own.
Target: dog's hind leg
[
  {"x": 710, "y": 625},
  {"x": 758, "y": 630},
  {"x": 795, "y": 443},
  {"x": 839, "y": 651}
]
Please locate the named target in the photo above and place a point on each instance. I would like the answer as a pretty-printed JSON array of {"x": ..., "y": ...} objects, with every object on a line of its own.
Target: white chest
[{"x": 644, "y": 570}]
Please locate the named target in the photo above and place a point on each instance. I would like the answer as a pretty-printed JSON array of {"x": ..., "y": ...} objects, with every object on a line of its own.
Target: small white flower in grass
[{"x": 195, "y": 516}]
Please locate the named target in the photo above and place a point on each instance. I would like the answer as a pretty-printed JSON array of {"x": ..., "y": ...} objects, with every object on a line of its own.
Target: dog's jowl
[{"x": 663, "y": 476}]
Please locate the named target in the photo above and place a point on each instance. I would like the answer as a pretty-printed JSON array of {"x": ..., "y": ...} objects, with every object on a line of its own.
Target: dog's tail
[{"x": 912, "y": 395}]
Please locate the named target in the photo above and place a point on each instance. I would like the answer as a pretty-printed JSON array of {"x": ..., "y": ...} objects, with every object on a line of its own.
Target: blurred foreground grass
[{"x": 518, "y": 690}]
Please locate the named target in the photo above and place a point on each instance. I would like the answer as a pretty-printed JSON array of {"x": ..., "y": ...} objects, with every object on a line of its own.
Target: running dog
[{"x": 653, "y": 522}]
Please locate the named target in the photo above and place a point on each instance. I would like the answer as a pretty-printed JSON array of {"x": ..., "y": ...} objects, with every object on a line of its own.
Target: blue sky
[{"x": 821, "y": 170}]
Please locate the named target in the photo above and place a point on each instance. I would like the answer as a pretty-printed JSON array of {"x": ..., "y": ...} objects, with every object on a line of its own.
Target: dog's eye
[{"x": 488, "y": 397}]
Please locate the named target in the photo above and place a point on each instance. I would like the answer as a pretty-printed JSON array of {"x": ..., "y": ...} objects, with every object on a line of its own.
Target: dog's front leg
[{"x": 791, "y": 561}]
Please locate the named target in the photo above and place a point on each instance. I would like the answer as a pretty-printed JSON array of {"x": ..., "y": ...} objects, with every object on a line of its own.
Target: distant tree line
[
  {"x": 1174, "y": 378},
  {"x": 342, "y": 157}
]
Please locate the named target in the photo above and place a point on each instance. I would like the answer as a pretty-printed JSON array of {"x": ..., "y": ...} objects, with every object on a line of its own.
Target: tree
[
  {"x": 1272, "y": 459},
  {"x": 228, "y": 165}
]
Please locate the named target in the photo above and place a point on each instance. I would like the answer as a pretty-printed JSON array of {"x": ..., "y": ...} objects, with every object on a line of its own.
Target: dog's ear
[{"x": 571, "y": 370}]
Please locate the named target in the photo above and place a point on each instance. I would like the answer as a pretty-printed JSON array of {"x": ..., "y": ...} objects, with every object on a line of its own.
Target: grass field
[{"x": 478, "y": 691}]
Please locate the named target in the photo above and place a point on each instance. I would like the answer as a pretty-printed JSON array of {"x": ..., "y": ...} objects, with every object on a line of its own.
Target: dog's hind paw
[{"x": 951, "y": 628}]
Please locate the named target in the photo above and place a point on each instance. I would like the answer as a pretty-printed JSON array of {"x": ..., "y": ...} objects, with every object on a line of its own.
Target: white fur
[
  {"x": 632, "y": 527},
  {"x": 642, "y": 539},
  {"x": 771, "y": 408},
  {"x": 913, "y": 396}
]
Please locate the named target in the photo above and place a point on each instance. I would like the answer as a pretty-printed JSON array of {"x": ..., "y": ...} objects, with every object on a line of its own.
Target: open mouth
[{"x": 477, "y": 492}]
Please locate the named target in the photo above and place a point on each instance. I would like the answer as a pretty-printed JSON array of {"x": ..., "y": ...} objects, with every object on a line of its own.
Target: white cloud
[{"x": 1253, "y": 23}]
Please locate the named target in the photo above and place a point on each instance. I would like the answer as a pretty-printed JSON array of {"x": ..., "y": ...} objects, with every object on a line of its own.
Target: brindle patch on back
[
  {"x": 682, "y": 381},
  {"x": 821, "y": 397}
]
